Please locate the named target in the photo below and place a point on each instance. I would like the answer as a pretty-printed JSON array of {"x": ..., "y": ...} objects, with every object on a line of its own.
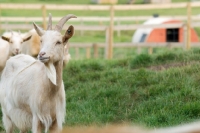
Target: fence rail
[
  {"x": 94, "y": 18},
  {"x": 104, "y": 27},
  {"x": 133, "y": 45},
  {"x": 95, "y": 47}
]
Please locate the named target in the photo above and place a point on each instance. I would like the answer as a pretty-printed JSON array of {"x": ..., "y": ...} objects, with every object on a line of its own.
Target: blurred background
[{"x": 112, "y": 28}]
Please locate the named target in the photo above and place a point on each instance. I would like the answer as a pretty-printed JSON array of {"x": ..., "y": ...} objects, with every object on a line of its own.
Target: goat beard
[{"x": 51, "y": 72}]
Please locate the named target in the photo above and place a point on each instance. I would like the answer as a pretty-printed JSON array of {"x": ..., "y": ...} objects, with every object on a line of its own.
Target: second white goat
[{"x": 10, "y": 45}]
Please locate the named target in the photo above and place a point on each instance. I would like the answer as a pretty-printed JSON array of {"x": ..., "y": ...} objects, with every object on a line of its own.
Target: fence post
[
  {"x": 150, "y": 50},
  {"x": 44, "y": 25},
  {"x": 110, "y": 44},
  {"x": 95, "y": 49},
  {"x": 185, "y": 36},
  {"x": 100, "y": 23},
  {"x": 88, "y": 55},
  {"x": 188, "y": 25},
  {"x": 169, "y": 46}
]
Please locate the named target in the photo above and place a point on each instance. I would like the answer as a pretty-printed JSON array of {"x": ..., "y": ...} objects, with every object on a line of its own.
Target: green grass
[
  {"x": 127, "y": 90},
  {"x": 161, "y": 12},
  {"x": 134, "y": 89}
]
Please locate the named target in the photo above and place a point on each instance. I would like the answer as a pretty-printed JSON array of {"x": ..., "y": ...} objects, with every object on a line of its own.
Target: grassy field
[{"x": 158, "y": 90}]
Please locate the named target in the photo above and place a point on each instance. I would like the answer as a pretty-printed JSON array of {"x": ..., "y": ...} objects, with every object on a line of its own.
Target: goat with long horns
[{"x": 32, "y": 93}]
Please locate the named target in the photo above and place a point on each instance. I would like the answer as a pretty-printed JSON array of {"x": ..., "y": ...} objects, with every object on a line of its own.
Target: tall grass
[{"x": 128, "y": 90}]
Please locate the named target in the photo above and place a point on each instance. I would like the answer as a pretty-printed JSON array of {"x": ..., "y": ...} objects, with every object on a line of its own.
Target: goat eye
[
  {"x": 11, "y": 41},
  {"x": 58, "y": 42},
  {"x": 69, "y": 31},
  {"x": 40, "y": 41}
]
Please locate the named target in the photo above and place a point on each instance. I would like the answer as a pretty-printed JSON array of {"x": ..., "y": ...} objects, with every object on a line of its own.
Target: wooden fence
[
  {"x": 108, "y": 45},
  {"x": 80, "y": 19},
  {"x": 184, "y": 45}
]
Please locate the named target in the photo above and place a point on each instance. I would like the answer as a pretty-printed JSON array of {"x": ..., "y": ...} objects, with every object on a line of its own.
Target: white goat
[
  {"x": 10, "y": 45},
  {"x": 4, "y": 50},
  {"x": 32, "y": 92}
]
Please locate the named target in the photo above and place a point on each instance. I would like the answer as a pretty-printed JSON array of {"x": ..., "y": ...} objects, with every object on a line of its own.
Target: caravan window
[{"x": 172, "y": 35}]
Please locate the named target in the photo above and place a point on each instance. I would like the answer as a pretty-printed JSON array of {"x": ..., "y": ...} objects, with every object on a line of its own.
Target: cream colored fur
[
  {"x": 8, "y": 49},
  {"x": 32, "y": 46},
  {"x": 32, "y": 92},
  {"x": 26, "y": 99},
  {"x": 4, "y": 50}
]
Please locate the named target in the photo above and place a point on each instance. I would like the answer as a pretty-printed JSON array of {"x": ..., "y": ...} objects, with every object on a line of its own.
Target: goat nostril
[
  {"x": 42, "y": 53},
  {"x": 17, "y": 50}
]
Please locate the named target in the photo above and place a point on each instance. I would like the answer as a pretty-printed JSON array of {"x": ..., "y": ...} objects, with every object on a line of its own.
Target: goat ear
[
  {"x": 5, "y": 38},
  {"x": 27, "y": 38},
  {"x": 68, "y": 34},
  {"x": 39, "y": 30}
]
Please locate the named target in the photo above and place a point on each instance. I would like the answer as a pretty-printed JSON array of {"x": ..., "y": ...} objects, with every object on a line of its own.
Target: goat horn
[
  {"x": 50, "y": 22},
  {"x": 39, "y": 30},
  {"x": 60, "y": 24}
]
